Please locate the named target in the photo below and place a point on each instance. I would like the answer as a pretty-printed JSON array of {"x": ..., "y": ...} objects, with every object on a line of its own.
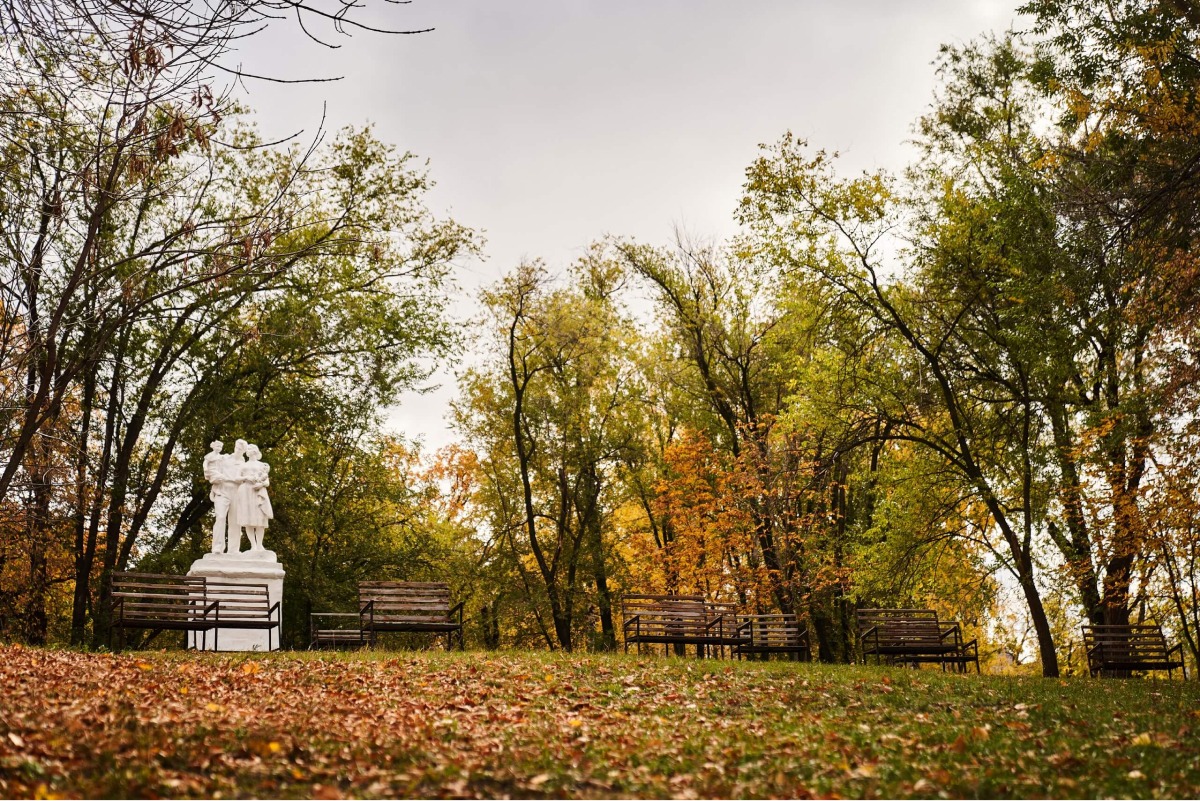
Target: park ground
[{"x": 415, "y": 724}]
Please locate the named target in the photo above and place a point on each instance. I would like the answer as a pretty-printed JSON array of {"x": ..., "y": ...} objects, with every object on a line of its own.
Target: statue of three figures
[{"x": 239, "y": 495}]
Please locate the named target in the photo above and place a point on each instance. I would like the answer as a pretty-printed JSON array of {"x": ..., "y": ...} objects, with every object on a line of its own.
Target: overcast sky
[{"x": 550, "y": 123}]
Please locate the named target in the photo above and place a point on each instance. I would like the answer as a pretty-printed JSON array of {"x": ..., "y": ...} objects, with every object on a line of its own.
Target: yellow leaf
[
  {"x": 250, "y": 667},
  {"x": 274, "y": 747},
  {"x": 574, "y": 723},
  {"x": 1143, "y": 739},
  {"x": 145, "y": 666},
  {"x": 211, "y": 707}
]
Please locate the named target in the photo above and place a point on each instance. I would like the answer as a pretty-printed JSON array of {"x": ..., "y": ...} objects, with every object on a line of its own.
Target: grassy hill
[{"x": 531, "y": 725}]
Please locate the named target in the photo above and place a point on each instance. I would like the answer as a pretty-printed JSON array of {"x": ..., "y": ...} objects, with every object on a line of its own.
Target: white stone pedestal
[{"x": 247, "y": 567}]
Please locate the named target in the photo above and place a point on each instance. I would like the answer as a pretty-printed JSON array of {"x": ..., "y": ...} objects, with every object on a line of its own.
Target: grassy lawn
[{"x": 532, "y": 725}]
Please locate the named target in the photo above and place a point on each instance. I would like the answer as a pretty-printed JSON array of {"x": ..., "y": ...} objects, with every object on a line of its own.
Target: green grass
[{"x": 530, "y": 725}]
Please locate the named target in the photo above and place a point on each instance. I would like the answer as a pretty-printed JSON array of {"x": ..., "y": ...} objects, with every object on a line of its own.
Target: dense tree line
[
  {"x": 970, "y": 385},
  {"x": 971, "y": 379}
]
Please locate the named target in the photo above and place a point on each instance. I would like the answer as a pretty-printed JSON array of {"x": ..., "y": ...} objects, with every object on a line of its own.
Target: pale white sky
[{"x": 549, "y": 123}]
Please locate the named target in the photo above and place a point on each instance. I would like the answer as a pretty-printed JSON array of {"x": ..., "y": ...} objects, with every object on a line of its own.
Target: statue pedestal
[{"x": 247, "y": 567}]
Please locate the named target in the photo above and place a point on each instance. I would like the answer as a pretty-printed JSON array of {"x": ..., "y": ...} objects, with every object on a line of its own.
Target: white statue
[
  {"x": 223, "y": 470},
  {"x": 253, "y": 503}
]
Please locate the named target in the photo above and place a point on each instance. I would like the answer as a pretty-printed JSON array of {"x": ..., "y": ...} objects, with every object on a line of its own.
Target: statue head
[
  {"x": 216, "y": 445},
  {"x": 239, "y": 447},
  {"x": 253, "y": 453}
]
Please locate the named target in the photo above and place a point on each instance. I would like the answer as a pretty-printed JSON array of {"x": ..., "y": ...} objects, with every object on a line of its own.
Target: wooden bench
[
  {"x": 913, "y": 637},
  {"x": 677, "y": 620},
  {"x": 773, "y": 634},
  {"x": 724, "y": 632},
  {"x": 244, "y": 606},
  {"x": 158, "y": 602},
  {"x": 325, "y": 633},
  {"x": 1116, "y": 650},
  {"x": 409, "y": 606}
]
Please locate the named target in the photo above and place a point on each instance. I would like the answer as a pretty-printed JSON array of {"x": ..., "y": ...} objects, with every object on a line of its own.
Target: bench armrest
[
  {"x": 632, "y": 620},
  {"x": 951, "y": 628},
  {"x": 368, "y": 610},
  {"x": 456, "y": 609},
  {"x": 873, "y": 631}
]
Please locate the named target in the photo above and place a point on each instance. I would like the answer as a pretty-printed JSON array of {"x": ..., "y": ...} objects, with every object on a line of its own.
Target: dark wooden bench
[
  {"x": 1116, "y": 650},
  {"x": 724, "y": 626},
  {"x": 245, "y": 606},
  {"x": 913, "y": 637},
  {"x": 409, "y": 606},
  {"x": 336, "y": 631},
  {"x": 158, "y": 602},
  {"x": 677, "y": 620},
  {"x": 773, "y": 634}
]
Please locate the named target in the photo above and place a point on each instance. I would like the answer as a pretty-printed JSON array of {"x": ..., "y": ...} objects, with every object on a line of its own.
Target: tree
[
  {"x": 551, "y": 417},
  {"x": 810, "y": 222}
]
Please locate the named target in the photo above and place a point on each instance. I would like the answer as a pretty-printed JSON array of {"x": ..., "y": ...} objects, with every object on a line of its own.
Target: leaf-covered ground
[{"x": 532, "y": 725}]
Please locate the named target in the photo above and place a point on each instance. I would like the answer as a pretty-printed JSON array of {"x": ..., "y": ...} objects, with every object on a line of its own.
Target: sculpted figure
[
  {"x": 253, "y": 503},
  {"x": 222, "y": 470}
]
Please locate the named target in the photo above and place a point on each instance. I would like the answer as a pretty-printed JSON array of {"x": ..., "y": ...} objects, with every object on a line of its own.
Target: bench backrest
[
  {"x": 1140, "y": 641},
  {"x": 722, "y": 608},
  {"x": 774, "y": 631},
  {"x": 679, "y": 612},
  {"x": 155, "y": 597},
  {"x": 240, "y": 601},
  {"x": 405, "y": 601},
  {"x": 900, "y": 625}
]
